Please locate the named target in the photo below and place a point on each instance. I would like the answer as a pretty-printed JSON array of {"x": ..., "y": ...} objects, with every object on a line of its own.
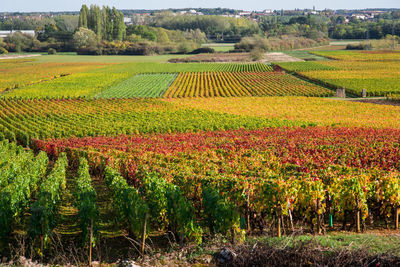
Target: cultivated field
[
  {"x": 376, "y": 71},
  {"x": 134, "y": 154}
]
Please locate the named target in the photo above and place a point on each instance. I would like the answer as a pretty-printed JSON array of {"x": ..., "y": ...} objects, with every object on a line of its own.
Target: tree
[
  {"x": 67, "y": 22},
  {"x": 134, "y": 38},
  {"x": 83, "y": 17},
  {"x": 85, "y": 38},
  {"x": 20, "y": 41},
  {"x": 119, "y": 30},
  {"x": 196, "y": 36},
  {"x": 145, "y": 32},
  {"x": 95, "y": 21},
  {"x": 396, "y": 14},
  {"x": 107, "y": 24},
  {"x": 162, "y": 37},
  {"x": 340, "y": 20}
]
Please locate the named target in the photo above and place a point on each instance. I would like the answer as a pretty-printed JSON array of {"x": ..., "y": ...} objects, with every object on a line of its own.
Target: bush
[
  {"x": 358, "y": 47},
  {"x": 89, "y": 51},
  {"x": 3, "y": 51},
  {"x": 18, "y": 42},
  {"x": 203, "y": 50},
  {"x": 86, "y": 39},
  {"x": 257, "y": 54},
  {"x": 51, "y": 51},
  {"x": 184, "y": 47}
]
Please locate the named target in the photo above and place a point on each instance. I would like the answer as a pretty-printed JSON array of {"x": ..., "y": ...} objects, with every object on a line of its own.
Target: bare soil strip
[
  {"x": 378, "y": 101},
  {"x": 280, "y": 57}
]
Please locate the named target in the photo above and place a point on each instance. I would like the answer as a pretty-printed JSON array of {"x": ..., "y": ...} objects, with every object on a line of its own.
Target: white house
[
  {"x": 245, "y": 13},
  {"x": 128, "y": 21},
  {"x": 6, "y": 33}
]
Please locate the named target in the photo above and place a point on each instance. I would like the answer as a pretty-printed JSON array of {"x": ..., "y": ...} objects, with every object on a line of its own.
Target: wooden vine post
[
  {"x": 358, "y": 215},
  {"x": 90, "y": 241},
  {"x": 248, "y": 212},
  {"x": 396, "y": 218},
  {"x": 319, "y": 217},
  {"x": 279, "y": 234},
  {"x": 143, "y": 234},
  {"x": 291, "y": 220}
]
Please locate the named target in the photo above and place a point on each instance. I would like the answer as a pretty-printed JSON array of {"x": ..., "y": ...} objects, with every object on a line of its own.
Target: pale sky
[{"x": 74, "y": 5}]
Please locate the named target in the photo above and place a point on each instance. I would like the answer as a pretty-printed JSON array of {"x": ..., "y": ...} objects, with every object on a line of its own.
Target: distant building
[
  {"x": 268, "y": 11},
  {"x": 128, "y": 21},
  {"x": 7, "y": 33},
  {"x": 244, "y": 13},
  {"x": 359, "y": 16}
]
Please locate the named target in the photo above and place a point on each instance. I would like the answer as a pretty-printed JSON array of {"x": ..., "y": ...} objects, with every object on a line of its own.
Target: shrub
[
  {"x": 358, "y": 47},
  {"x": 51, "y": 51},
  {"x": 257, "y": 54},
  {"x": 203, "y": 50},
  {"x": 85, "y": 38},
  {"x": 3, "y": 51},
  {"x": 20, "y": 42}
]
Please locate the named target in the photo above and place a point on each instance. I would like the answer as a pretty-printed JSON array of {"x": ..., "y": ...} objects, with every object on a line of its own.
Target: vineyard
[
  {"x": 305, "y": 66},
  {"x": 24, "y": 72},
  {"x": 215, "y": 84},
  {"x": 315, "y": 111},
  {"x": 23, "y": 120},
  {"x": 360, "y": 55},
  {"x": 145, "y": 85},
  {"x": 377, "y": 72},
  {"x": 137, "y": 155},
  {"x": 269, "y": 173},
  {"x": 129, "y": 80}
]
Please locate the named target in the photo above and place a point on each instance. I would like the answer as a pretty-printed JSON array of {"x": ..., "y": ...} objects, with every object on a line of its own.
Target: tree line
[
  {"x": 103, "y": 31},
  {"x": 107, "y": 23}
]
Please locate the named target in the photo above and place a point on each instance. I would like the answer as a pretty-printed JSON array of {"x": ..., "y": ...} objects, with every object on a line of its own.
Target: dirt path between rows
[
  {"x": 279, "y": 57},
  {"x": 19, "y": 56},
  {"x": 378, "y": 101}
]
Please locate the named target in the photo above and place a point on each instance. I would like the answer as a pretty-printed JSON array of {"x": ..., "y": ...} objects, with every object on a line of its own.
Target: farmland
[
  {"x": 92, "y": 82},
  {"x": 377, "y": 72},
  {"x": 23, "y": 120},
  {"x": 272, "y": 167},
  {"x": 22, "y": 72},
  {"x": 324, "y": 112},
  {"x": 242, "y": 84},
  {"x": 130, "y": 155},
  {"x": 145, "y": 85}
]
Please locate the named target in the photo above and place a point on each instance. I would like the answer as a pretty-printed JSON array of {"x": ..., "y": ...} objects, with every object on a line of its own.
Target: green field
[
  {"x": 142, "y": 85},
  {"x": 220, "y": 47},
  {"x": 305, "y": 55}
]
